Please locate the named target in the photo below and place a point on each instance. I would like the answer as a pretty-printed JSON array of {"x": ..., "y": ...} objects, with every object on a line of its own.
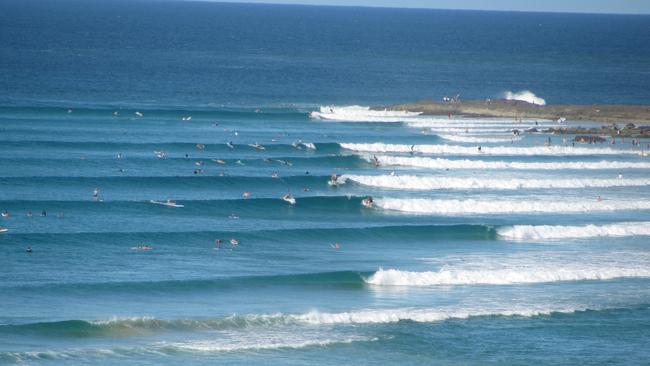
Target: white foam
[
  {"x": 439, "y": 163},
  {"x": 490, "y": 150},
  {"x": 418, "y": 315},
  {"x": 525, "y": 96},
  {"x": 530, "y": 273},
  {"x": 358, "y": 113},
  {"x": 263, "y": 341},
  {"x": 506, "y": 206},
  {"x": 414, "y": 182},
  {"x": 541, "y": 232},
  {"x": 475, "y": 125},
  {"x": 481, "y": 139}
]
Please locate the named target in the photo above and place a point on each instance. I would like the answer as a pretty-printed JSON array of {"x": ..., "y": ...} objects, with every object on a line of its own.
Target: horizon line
[{"x": 262, "y": 2}]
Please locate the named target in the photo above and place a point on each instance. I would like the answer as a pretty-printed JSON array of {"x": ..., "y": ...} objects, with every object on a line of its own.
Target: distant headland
[{"x": 620, "y": 114}]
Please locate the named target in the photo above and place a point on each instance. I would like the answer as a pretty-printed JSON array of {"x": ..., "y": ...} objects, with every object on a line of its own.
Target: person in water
[
  {"x": 28, "y": 250},
  {"x": 334, "y": 178}
]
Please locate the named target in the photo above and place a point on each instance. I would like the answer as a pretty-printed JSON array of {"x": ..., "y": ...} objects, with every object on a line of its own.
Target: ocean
[{"x": 479, "y": 246}]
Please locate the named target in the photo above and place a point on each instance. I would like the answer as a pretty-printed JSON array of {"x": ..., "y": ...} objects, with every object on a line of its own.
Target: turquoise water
[{"x": 516, "y": 254}]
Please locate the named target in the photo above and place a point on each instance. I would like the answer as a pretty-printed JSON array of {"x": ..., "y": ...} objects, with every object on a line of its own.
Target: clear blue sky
[{"x": 580, "y": 6}]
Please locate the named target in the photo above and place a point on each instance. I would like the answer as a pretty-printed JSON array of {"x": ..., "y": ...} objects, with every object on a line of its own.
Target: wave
[
  {"x": 505, "y": 206},
  {"x": 356, "y": 113},
  {"x": 541, "y": 232},
  {"x": 504, "y": 276},
  {"x": 144, "y": 325},
  {"x": 481, "y": 139},
  {"x": 266, "y": 331},
  {"x": 439, "y": 163},
  {"x": 413, "y": 182},
  {"x": 491, "y": 150},
  {"x": 263, "y": 342},
  {"x": 524, "y": 96}
]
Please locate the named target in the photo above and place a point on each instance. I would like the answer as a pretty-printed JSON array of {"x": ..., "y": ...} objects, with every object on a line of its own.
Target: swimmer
[
  {"x": 43, "y": 213},
  {"x": 217, "y": 244},
  {"x": 234, "y": 241},
  {"x": 5, "y": 214},
  {"x": 29, "y": 214},
  {"x": 96, "y": 194},
  {"x": 233, "y": 216},
  {"x": 246, "y": 194},
  {"x": 28, "y": 250}
]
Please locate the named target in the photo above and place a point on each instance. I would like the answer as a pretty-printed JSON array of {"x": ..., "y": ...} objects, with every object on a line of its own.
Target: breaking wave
[
  {"x": 490, "y": 150},
  {"x": 436, "y": 182},
  {"x": 540, "y": 232},
  {"x": 504, "y": 206},
  {"x": 439, "y": 163},
  {"x": 481, "y": 139},
  {"x": 524, "y": 96},
  {"x": 358, "y": 113},
  {"x": 504, "y": 276}
]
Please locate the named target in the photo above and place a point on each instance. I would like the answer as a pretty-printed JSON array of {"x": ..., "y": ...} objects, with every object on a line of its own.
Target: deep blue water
[{"x": 516, "y": 254}]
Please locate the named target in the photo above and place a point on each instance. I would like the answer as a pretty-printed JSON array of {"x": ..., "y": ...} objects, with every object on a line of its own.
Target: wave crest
[
  {"x": 524, "y": 96},
  {"x": 541, "y": 232}
]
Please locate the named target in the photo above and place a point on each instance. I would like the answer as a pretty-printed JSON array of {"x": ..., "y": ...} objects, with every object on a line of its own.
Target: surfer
[
  {"x": 246, "y": 194},
  {"x": 96, "y": 194},
  {"x": 479, "y": 149},
  {"x": 43, "y": 213},
  {"x": 336, "y": 246},
  {"x": 333, "y": 180},
  {"x": 5, "y": 214},
  {"x": 28, "y": 250},
  {"x": 234, "y": 241},
  {"x": 217, "y": 243},
  {"x": 289, "y": 198},
  {"x": 412, "y": 149},
  {"x": 375, "y": 161},
  {"x": 367, "y": 202}
]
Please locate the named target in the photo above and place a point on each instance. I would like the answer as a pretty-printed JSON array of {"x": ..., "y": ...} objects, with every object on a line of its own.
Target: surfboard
[{"x": 164, "y": 203}]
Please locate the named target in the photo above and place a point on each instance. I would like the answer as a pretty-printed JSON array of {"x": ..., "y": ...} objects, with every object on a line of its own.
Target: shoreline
[{"x": 620, "y": 114}]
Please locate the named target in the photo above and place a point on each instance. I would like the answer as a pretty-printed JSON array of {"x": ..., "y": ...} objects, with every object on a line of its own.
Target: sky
[{"x": 572, "y": 6}]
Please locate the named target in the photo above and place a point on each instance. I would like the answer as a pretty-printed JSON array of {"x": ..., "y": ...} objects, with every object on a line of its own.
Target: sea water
[{"x": 517, "y": 253}]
